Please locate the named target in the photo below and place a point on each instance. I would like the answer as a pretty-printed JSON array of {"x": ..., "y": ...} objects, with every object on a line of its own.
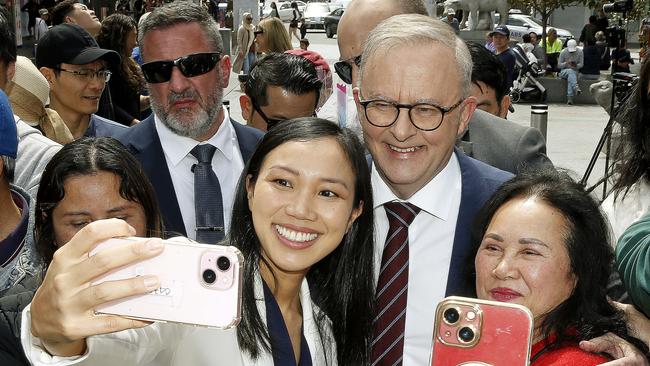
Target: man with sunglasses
[
  {"x": 190, "y": 149},
  {"x": 77, "y": 71},
  {"x": 280, "y": 86}
]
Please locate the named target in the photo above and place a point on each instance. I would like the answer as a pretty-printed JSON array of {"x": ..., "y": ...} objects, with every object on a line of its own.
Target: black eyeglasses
[
  {"x": 424, "y": 116},
  {"x": 344, "y": 68},
  {"x": 87, "y": 74},
  {"x": 270, "y": 122},
  {"x": 191, "y": 65}
]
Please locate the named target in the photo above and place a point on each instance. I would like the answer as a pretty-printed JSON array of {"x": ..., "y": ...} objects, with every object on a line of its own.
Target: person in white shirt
[
  {"x": 410, "y": 125},
  {"x": 186, "y": 72},
  {"x": 41, "y": 24}
]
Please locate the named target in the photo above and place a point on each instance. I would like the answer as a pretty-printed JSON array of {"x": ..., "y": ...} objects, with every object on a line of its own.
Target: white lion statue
[{"x": 474, "y": 7}]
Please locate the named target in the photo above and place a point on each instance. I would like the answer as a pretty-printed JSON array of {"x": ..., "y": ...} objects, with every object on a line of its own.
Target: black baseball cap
[
  {"x": 71, "y": 44},
  {"x": 501, "y": 29}
]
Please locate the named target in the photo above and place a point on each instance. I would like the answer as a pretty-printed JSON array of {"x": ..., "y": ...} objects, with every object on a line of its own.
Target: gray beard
[{"x": 187, "y": 123}]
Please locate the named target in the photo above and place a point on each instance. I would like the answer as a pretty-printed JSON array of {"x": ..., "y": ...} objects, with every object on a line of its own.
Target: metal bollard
[{"x": 539, "y": 117}]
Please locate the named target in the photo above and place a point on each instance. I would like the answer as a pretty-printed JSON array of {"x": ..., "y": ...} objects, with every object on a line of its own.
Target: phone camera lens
[
  {"x": 209, "y": 276},
  {"x": 451, "y": 316},
  {"x": 466, "y": 334},
  {"x": 223, "y": 263}
]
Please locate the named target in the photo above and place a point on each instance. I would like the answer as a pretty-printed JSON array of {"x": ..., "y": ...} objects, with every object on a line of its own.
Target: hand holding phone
[
  {"x": 66, "y": 295},
  {"x": 200, "y": 284},
  {"x": 479, "y": 332}
]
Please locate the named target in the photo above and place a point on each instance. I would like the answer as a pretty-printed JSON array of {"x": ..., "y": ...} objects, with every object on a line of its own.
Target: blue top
[
  {"x": 13, "y": 244},
  {"x": 281, "y": 347},
  {"x": 100, "y": 126},
  {"x": 508, "y": 59}
]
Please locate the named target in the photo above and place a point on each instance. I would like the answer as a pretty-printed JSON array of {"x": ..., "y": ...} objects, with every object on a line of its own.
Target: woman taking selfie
[
  {"x": 303, "y": 222},
  {"x": 87, "y": 180},
  {"x": 542, "y": 242}
]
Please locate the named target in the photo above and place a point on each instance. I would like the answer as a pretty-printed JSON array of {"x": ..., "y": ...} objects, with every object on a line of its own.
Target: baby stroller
[{"x": 525, "y": 87}]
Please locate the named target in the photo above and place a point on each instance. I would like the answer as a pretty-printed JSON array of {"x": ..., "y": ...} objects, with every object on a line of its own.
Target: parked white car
[
  {"x": 520, "y": 24},
  {"x": 315, "y": 14},
  {"x": 284, "y": 9}
]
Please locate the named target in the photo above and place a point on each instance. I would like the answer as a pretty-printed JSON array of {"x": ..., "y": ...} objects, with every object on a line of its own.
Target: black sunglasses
[
  {"x": 191, "y": 65},
  {"x": 344, "y": 68}
]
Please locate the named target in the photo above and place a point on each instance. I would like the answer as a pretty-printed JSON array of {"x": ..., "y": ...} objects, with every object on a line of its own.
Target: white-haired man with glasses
[
  {"x": 411, "y": 115},
  {"x": 77, "y": 71}
]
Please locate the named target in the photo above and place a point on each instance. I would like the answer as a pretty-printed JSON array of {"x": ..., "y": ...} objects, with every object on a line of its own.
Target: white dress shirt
[
  {"x": 431, "y": 239},
  {"x": 227, "y": 164}
]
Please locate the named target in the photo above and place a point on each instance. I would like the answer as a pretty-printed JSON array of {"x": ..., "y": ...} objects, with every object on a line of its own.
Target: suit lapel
[
  {"x": 471, "y": 200},
  {"x": 247, "y": 139},
  {"x": 144, "y": 143}
]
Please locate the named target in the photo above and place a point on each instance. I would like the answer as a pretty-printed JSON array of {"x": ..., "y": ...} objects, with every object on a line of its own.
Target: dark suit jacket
[
  {"x": 100, "y": 126},
  {"x": 504, "y": 144},
  {"x": 143, "y": 142},
  {"x": 479, "y": 182}
]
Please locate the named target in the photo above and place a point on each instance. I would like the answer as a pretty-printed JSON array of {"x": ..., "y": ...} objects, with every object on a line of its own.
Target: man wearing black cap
[
  {"x": 501, "y": 37},
  {"x": 77, "y": 71}
]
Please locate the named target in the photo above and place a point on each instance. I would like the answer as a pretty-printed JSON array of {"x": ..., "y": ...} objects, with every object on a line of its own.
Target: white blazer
[{"x": 176, "y": 345}]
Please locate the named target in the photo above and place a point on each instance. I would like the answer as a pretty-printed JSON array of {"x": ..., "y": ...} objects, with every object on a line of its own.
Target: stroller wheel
[{"x": 515, "y": 96}]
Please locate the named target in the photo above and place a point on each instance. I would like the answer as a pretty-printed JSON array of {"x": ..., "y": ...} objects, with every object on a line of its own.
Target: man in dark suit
[
  {"x": 497, "y": 141},
  {"x": 411, "y": 115},
  {"x": 187, "y": 71}
]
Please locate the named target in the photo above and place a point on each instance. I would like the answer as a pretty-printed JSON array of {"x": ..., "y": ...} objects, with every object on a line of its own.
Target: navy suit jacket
[
  {"x": 479, "y": 182},
  {"x": 143, "y": 142}
]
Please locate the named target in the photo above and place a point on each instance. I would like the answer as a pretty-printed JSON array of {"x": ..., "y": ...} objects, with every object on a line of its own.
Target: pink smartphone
[
  {"x": 472, "y": 332},
  {"x": 199, "y": 284}
]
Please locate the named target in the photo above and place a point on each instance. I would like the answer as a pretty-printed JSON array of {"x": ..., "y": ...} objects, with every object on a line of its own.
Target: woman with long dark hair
[
  {"x": 542, "y": 242},
  {"x": 303, "y": 220},
  {"x": 119, "y": 33}
]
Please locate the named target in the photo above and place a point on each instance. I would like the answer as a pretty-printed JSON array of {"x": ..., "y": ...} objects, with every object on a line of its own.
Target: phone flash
[{"x": 470, "y": 315}]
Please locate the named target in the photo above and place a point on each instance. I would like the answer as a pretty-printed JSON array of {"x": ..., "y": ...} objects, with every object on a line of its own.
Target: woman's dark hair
[
  {"x": 586, "y": 313},
  {"x": 342, "y": 283},
  {"x": 294, "y": 5},
  {"x": 633, "y": 154},
  {"x": 112, "y": 36},
  {"x": 88, "y": 156}
]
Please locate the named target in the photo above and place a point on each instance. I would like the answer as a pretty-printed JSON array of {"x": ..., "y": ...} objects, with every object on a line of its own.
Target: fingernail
[
  {"x": 154, "y": 245},
  {"x": 151, "y": 282}
]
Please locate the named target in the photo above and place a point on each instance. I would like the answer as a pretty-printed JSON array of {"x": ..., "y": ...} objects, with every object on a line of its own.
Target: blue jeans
[
  {"x": 248, "y": 62},
  {"x": 571, "y": 77}
]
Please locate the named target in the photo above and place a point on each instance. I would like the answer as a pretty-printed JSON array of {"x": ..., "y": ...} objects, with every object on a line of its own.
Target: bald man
[{"x": 490, "y": 139}]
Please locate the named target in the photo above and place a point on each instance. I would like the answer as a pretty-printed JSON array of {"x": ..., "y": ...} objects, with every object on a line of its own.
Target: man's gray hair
[
  {"x": 181, "y": 12},
  {"x": 9, "y": 167},
  {"x": 412, "y": 7},
  {"x": 417, "y": 30}
]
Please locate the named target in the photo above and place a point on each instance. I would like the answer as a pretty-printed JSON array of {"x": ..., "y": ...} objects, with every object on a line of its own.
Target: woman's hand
[
  {"x": 637, "y": 323},
  {"x": 624, "y": 353},
  {"x": 62, "y": 311}
]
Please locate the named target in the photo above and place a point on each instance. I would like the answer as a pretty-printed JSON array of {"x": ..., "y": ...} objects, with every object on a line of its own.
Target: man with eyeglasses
[
  {"x": 77, "y": 71},
  {"x": 499, "y": 151},
  {"x": 189, "y": 147},
  {"x": 280, "y": 86},
  {"x": 426, "y": 192}
]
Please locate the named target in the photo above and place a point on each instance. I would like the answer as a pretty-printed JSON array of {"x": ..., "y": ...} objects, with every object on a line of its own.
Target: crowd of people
[{"x": 348, "y": 240}]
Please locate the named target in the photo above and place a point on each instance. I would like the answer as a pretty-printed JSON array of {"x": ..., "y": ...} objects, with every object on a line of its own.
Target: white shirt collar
[
  {"x": 178, "y": 147},
  {"x": 433, "y": 198}
]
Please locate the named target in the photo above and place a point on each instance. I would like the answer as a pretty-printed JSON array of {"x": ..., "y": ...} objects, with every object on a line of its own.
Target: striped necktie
[{"x": 392, "y": 288}]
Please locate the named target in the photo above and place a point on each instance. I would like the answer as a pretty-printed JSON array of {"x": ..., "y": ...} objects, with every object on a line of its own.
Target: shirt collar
[
  {"x": 178, "y": 147},
  {"x": 434, "y": 197}
]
